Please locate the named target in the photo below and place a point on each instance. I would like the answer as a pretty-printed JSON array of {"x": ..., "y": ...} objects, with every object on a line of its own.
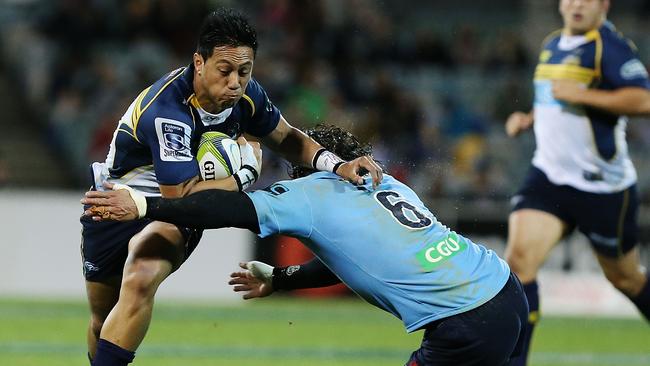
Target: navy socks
[
  {"x": 642, "y": 300},
  {"x": 109, "y": 354}
]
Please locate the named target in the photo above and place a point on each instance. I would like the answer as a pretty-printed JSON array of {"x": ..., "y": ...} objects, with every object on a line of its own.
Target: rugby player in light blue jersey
[
  {"x": 383, "y": 243},
  {"x": 589, "y": 77},
  {"x": 153, "y": 149}
]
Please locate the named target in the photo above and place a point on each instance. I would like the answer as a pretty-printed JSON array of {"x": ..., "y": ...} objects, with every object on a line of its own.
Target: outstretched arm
[
  {"x": 299, "y": 148},
  {"x": 260, "y": 279},
  {"x": 211, "y": 209},
  {"x": 307, "y": 275}
]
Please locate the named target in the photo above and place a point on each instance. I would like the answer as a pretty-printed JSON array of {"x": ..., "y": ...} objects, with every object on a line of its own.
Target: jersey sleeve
[
  {"x": 169, "y": 140},
  {"x": 265, "y": 115},
  {"x": 211, "y": 209},
  {"x": 283, "y": 208},
  {"x": 621, "y": 66}
]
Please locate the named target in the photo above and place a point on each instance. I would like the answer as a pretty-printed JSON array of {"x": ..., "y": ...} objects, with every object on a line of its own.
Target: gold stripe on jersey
[
  {"x": 138, "y": 111},
  {"x": 564, "y": 71},
  {"x": 598, "y": 55},
  {"x": 135, "y": 114},
  {"x": 137, "y": 102},
  {"x": 194, "y": 102},
  {"x": 250, "y": 101}
]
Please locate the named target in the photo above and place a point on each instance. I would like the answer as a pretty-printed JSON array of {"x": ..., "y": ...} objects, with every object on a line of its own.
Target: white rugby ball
[{"x": 218, "y": 156}]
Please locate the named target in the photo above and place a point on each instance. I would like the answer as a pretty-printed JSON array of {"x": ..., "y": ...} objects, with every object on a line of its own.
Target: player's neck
[{"x": 201, "y": 98}]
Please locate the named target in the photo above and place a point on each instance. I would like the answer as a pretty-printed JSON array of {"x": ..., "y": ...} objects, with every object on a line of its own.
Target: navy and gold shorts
[
  {"x": 104, "y": 245},
  {"x": 609, "y": 220}
]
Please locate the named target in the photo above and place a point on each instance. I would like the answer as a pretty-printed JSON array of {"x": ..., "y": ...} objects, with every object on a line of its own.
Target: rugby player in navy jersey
[
  {"x": 588, "y": 79},
  {"x": 153, "y": 150},
  {"x": 382, "y": 242}
]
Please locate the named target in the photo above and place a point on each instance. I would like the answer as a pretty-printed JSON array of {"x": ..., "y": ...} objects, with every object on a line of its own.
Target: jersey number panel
[{"x": 404, "y": 213}]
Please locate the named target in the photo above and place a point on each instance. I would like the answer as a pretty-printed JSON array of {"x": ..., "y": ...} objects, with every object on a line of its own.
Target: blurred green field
[{"x": 288, "y": 332}]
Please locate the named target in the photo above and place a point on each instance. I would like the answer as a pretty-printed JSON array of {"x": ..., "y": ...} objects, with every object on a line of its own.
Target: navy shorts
[
  {"x": 489, "y": 335},
  {"x": 609, "y": 220},
  {"x": 104, "y": 245}
]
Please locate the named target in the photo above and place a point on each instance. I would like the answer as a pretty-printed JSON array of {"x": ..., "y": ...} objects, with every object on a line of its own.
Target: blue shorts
[
  {"x": 104, "y": 245},
  {"x": 609, "y": 220},
  {"x": 490, "y": 335}
]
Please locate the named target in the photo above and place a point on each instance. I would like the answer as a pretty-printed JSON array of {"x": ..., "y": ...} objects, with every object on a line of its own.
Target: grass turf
[{"x": 289, "y": 332}]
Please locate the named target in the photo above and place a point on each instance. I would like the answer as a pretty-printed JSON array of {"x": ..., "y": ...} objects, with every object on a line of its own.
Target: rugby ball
[{"x": 218, "y": 156}]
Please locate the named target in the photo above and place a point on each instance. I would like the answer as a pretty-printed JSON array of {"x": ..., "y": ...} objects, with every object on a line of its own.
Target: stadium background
[{"x": 429, "y": 83}]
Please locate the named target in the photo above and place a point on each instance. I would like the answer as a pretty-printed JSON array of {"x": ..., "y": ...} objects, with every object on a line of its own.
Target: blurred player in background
[
  {"x": 153, "y": 150},
  {"x": 588, "y": 79},
  {"x": 383, "y": 243}
]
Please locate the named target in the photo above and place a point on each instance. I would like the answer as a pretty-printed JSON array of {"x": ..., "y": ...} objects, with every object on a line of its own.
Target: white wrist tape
[
  {"x": 245, "y": 177},
  {"x": 250, "y": 168},
  {"x": 326, "y": 161},
  {"x": 138, "y": 198},
  {"x": 248, "y": 158},
  {"x": 261, "y": 270}
]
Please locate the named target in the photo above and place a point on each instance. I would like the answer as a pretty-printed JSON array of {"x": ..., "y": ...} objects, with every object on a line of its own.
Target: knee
[
  {"x": 628, "y": 285},
  {"x": 96, "y": 324},
  {"x": 521, "y": 262},
  {"x": 142, "y": 277}
]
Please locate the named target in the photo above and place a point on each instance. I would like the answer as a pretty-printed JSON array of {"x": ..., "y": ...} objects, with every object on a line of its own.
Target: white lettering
[
  {"x": 428, "y": 256},
  {"x": 445, "y": 248},
  {"x": 455, "y": 245}
]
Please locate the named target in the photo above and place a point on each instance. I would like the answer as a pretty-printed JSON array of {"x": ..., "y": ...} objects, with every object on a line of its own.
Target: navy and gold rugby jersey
[
  {"x": 578, "y": 145},
  {"x": 156, "y": 139}
]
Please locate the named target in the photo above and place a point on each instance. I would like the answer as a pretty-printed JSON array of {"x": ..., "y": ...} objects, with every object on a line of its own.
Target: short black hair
[
  {"x": 225, "y": 27},
  {"x": 337, "y": 140}
]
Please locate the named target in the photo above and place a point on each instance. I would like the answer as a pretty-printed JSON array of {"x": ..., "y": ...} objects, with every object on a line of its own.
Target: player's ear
[
  {"x": 606, "y": 4},
  {"x": 198, "y": 61}
]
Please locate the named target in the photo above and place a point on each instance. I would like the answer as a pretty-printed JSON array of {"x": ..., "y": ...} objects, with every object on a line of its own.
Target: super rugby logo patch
[
  {"x": 173, "y": 139},
  {"x": 633, "y": 69}
]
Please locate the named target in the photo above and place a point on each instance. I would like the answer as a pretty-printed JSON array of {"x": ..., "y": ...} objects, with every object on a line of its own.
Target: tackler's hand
[
  {"x": 354, "y": 170},
  {"x": 255, "y": 279},
  {"x": 119, "y": 204}
]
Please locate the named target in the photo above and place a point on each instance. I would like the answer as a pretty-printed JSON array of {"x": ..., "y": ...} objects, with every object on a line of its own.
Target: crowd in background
[{"x": 431, "y": 96}]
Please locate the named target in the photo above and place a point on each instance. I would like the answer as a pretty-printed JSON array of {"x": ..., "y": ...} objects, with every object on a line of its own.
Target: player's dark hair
[
  {"x": 337, "y": 140},
  {"x": 225, "y": 27}
]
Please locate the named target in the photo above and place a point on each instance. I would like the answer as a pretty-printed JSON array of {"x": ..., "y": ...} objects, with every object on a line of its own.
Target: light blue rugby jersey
[{"x": 384, "y": 244}]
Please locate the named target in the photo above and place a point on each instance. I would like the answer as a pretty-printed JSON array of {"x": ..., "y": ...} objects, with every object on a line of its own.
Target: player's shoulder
[
  {"x": 166, "y": 98},
  {"x": 552, "y": 39},
  {"x": 614, "y": 40},
  {"x": 255, "y": 96},
  {"x": 169, "y": 92},
  {"x": 254, "y": 88},
  {"x": 309, "y": 183}
]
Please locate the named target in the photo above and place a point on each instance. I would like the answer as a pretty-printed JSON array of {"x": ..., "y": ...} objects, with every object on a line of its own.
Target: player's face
[
  {"x": 220, "y": 81},
  {"x": 581, "y": 16}
]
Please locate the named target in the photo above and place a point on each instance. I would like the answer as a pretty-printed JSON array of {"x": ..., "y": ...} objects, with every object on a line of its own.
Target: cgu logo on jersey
[{"x": 435, "y": 254}]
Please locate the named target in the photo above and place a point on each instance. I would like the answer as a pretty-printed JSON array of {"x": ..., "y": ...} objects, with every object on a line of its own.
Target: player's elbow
[{"x": 640, "y": 103}]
